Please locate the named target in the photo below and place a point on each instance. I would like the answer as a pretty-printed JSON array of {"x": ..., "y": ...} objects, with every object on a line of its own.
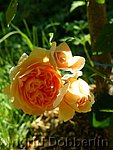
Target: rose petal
[
  {"x": 65, "y": 111},
  {"x": 22, "y": 58},
  {"x": 77, "y": 63},
  {"x": 77, "y": 91},
  {"x": 62, "y": 47},
  {"x": 87, "y": 107},
  {"x": 61, "y": 95},
  {"x": 13, "y": 72},
  {"x": 37, "y": 55},
  {"x": 65, "y": 60},
  {"x": 74, "y": 88},
  {"x": 25, "y": 106},
  {"x": 15, "y": 69},
  {"x": 83, "y": 87},
  {"x": 52, "y": 59},
  {"x": 72, "y": 99},
  {"x": 91, "y": 98}
]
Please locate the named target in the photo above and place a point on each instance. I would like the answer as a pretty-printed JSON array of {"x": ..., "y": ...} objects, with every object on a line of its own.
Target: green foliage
[
  {"x": 100, "y": 124},
  {"x": 100, "y": 1},
  {"x": 11, "y": 11},
  {"x": 103, "y": 110},
  {"x": 25, "y": 37},
  {"x": 14, "y": 124},
  {"x": 76, "y": 33},
  {"x": 76, "y": 4}
]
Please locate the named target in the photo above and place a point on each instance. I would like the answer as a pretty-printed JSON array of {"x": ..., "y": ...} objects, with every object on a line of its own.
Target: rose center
[
  {"x": 41, "y": 85},
  {"x": 81, "y": 102},
  {"x": 61, "y": 57}
]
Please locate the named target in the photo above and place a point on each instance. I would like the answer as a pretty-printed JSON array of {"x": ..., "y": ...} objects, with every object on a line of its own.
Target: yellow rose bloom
[
  {"x": 35, "y": 85},
  {"x": 64, "y": 59},
  {"x": 77, "y": 99}
]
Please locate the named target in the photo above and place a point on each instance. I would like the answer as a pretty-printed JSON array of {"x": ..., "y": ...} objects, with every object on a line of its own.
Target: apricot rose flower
[
  {"x": 64, "y": 59},
  {"x": 77, "y": 99},
  {"x": 35, "y": 85}
]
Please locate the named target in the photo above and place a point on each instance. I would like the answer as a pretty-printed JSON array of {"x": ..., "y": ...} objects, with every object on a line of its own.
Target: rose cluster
[{"x": 37, "y": 83}]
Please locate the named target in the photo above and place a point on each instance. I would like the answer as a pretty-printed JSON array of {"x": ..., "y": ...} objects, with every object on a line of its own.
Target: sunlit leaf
[
  {"x": 11, "y": 11},
  {"x": 104, "y": 101},
  {"x": 100, "y": 1},
  {"x": 103, "y": 105},
  {"x": 100, "y": 124},
  {"x": 76, "y": 4},
  {"x": 107, "y": 110}
]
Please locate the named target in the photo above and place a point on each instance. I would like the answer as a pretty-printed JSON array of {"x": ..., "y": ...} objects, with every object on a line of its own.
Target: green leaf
[
  {"x": 11, "y": 11},
  {"x": 100, "y": 1},
  {"x": 104, "y": 102},
  {"x": 104, "y": 43},
  {"x": 107, "y": 110},
  {"x": 76, "y": 4},
  {"x": 101, "y": 115},
  {"x": 7, "y": 35},
  {"x": 29, "y": 43},
  {"x": 100, "y": 124}
]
